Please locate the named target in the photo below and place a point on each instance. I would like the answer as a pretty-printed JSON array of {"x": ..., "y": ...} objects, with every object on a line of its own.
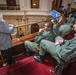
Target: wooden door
[{"x": 56, "y": 4}]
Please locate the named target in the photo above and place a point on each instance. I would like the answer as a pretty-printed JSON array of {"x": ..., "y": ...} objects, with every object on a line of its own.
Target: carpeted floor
[{"x": 28, "y": 66}]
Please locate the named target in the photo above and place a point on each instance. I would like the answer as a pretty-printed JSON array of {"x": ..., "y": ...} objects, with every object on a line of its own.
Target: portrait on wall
[{"x": 21, "y": 31}]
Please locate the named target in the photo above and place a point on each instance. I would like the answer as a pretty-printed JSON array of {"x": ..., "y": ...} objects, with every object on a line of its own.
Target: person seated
[
  {"x": 70, "y": 20},
  {"x": 60, "y": 50},
  {"x": 55, "y": 27},
  {"x": 61, "y": 9},
  {"x": 66, "y": 28},
  {"x": 69, "y": 9},
  {"x": 63, "y": 29},
  {"x": 44, "y": 33}
]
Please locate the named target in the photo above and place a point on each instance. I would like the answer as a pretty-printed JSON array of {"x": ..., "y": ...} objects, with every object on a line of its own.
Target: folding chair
[{"x": 59, "y": 68}]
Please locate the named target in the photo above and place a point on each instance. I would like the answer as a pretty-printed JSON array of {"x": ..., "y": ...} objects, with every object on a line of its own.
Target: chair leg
[{"x": 58, "y": 70}]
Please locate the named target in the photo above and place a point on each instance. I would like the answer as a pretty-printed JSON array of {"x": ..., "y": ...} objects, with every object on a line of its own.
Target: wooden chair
[
  {"x": 59, "y": 68},
  {"x": 61, "y": 20},
  {"x": 69, "y": 35}
]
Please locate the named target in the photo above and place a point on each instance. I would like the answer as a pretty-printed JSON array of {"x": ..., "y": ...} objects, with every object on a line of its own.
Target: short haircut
[
  {"x": 49, "y": 24},
  {"x": 54, "y": 20}
]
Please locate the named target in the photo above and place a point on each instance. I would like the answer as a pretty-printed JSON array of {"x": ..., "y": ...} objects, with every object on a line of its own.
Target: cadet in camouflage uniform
[
  {"x": 55, "y": 27},
  {"x": 60, "y": 50},
  {"x": 44, "y": 33}
]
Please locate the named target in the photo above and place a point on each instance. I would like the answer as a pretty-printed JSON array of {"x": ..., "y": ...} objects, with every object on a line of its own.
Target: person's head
[
  {"x": 48, "y": 26},
  {"x": 1, "y": 16},
  {"x": 74, "y": 27},
  {"x": 69, "y": 4},
  {"x": 62, "y": 7},
  {"x": 70, "y": 15},
  {"x": 54, "y": 21}
]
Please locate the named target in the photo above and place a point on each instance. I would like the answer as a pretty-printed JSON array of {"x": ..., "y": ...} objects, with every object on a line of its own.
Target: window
[{"x": 34, "y": 3}]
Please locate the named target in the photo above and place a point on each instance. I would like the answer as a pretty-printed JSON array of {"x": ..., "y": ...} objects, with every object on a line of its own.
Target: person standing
[
  {"x": 68, "y": 10},
  {"x": 5, "y": 39}
]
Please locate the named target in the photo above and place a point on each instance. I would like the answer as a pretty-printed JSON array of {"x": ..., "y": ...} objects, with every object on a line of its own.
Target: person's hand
[
  {"x": 59, "y": 42},
  {"x": 10, "y": 25},
  {"x": 41, "y": 30}
]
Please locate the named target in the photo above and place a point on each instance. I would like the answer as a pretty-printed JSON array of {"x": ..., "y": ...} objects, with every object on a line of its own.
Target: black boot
[
  {"x": 28, "y": 53},
  {"x": 37, "y": 53},
  {"x": 39, "y": 58}
]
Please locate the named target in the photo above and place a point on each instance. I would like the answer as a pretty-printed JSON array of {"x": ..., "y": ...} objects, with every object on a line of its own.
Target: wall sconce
[{"x": 34, "y": 4}]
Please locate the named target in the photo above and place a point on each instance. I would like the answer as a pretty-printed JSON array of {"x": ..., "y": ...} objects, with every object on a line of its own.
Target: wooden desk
[
  {"x": 18, "y": 43},
  {"x": 21, "y": 40}
]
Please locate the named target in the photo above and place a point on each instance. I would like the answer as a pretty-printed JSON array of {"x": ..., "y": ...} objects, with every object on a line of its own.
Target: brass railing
[{"x": 25, "y": 29}]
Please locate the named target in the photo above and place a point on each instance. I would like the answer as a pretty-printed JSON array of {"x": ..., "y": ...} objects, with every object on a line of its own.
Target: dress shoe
[
  {"x": 14, "y": 61},
  {"x": 39, "y": 58},
  {"x": 58, "y": 70},
  {"x": 28, "y": 53}
]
